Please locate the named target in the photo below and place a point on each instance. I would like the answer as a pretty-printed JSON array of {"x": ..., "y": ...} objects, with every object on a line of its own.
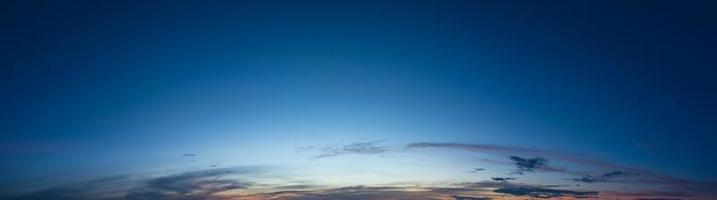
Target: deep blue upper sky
[{"x": 95, "y": 83}]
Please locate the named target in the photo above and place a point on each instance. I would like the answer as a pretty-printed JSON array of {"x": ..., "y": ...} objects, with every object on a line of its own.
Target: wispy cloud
[
  {"x": 188, "y": 185},
  {"x": 113, "y": 187},
  {"x": 511, "y": 151},
  {"x": 544, "y": 192},
  {"x": 348, "y": 149},
  {"x": 456, "y": 197},
  {"x": 603, "y": 177},
  {"x": 476, "y": 170},
  {"x": 502, "y": 178},
  {"x": 201, "y": 184},
  {"x": 486, "y": 148}
]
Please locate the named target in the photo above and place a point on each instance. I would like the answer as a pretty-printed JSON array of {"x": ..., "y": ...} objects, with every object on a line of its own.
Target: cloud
[
  {"x": 646, "y": 177},
  {"x": 616, "y": 174},
  {"x": 658, "y": 194},
  {"x": 188, "y": 185},
  {"x": 586, "y": 179},
  {"x": 221, "y": 184},
  {"x": 456, "y": 197},
  {"x": 527, "y": 164},
  {"x": 488, "y": 185},
  {"x": 476, "y": 170},
  {"x": 502, "y": 179},
  {"x": 353, "y": 148},
  {"x": 104, "y": 188},
  {"x": 603, "y": 177},
  {"x": 353, "y": 193},
  {"x": 378, "y": 193},
  {"x": 554, "y": 186},
  {"x": 544, "y": 192},
  {"x": 201, "y": 184},
  {"x": 486, "y": 148},
  {"x": 509, "y": 151}
]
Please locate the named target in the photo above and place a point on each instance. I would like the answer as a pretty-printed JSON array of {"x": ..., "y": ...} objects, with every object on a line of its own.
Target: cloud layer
[
  {"x": 237, "y": 183},
  {"x": 223, "y": 184}
]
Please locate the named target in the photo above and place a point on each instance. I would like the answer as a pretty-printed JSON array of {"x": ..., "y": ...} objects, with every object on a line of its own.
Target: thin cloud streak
[{"x": 370, "y": 148}]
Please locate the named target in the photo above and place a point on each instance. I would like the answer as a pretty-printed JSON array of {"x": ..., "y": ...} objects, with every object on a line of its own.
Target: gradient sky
[{"x": 344, "y": 93}]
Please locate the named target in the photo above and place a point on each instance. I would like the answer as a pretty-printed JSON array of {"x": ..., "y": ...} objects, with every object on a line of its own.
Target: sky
[{"x": 358, "y": 100}]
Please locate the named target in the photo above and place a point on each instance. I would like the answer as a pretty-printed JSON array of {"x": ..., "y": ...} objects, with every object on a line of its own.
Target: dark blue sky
[{"x": 87, "y": 84}]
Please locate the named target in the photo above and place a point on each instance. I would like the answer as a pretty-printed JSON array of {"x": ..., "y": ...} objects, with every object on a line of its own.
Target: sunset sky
[{"x": 461, "y": 100}]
